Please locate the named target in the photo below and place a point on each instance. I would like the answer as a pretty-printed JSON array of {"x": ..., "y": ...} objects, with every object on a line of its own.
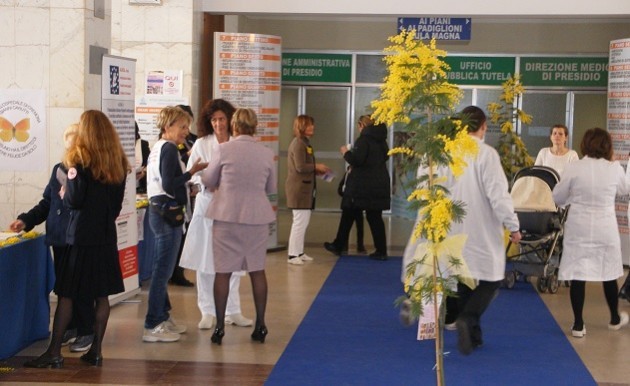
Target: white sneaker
[
  {"x": 238, "y": 320},
  {"x": 579, "y": 333},
  {"x": 450, "y": 326},
  {"x": 160, "y": 333},
  {"x": 174, "y": 327},
  {"x": 405, "y": 313},
  {"x": 295, "y": 261},
  {"x": 623, "y": 320},
  {"x": 305, "y": 257},
  {"x": 207, "y": 322}
]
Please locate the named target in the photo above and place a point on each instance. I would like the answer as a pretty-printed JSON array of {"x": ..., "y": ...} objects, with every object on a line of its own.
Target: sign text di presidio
[{"x": 553, "y": 71}]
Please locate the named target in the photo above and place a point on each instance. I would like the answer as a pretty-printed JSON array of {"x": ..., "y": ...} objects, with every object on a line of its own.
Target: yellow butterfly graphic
[{"x": 19, "y": 131}]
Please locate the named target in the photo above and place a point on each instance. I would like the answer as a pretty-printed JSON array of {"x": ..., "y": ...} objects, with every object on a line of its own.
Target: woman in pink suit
[{"x": 241, "y": 175}]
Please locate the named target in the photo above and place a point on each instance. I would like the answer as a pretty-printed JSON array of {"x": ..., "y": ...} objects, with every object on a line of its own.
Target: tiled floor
[{"x": 194, "y": 361}]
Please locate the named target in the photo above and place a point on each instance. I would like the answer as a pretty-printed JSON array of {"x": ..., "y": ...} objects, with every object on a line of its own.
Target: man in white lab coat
[{"x": 483, "y": 187}]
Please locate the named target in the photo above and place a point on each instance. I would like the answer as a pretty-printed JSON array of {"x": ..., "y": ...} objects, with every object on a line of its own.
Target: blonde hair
[
  {"x": 300, "y": 123},
  {"x": 365, "y": 121},
  {"x": 69, "y": 134},
  {"x": 169, "y": 115},
  {"x": 244, "y": 121},
  {"x": 97, "y": 147}
]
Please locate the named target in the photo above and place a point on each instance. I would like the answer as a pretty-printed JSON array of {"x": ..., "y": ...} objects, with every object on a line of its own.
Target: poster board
[
  {"x": 618, "y": 124},
  {"x": 118, "y": 103},
  {"x": 247, "y": 73}
]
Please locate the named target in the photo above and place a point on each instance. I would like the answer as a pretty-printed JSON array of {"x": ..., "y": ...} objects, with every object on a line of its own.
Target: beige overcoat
[{"x": 300, "y": 183}]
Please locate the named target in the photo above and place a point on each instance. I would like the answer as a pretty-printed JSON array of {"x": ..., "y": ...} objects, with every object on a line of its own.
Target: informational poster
[
  {"x": 427, "y": 325},
  {"x": 167, "y": 82},
  {"x": 155, "y": 83},
  {"x": 118, "y": 99},
  {"x": 247, "y": 73},
  {"x": 619, "y": 125},
  {"x": 147, "y": 109},
  {"x": 23, "y": 130}
]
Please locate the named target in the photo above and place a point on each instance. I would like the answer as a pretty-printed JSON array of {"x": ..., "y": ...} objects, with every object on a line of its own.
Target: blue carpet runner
[{"x": 352, "y": 336}]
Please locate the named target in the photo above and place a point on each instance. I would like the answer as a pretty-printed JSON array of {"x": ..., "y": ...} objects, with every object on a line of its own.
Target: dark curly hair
[
  {"x": 597, "y": 143},
  {"x": 204, "y": 124}
]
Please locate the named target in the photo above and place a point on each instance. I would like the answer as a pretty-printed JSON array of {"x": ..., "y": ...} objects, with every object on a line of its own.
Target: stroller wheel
[
  {"x": 542, "y": 285},
  {"x": 553, "y": 283}
]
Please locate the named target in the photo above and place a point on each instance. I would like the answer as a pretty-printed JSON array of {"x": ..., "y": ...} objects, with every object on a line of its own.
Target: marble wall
[
  {"x": 45, "y": 45},
  {"x": 165, "y": 37}
]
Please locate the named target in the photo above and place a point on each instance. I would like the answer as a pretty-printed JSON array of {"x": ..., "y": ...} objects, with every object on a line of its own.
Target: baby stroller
[{"x": 541, "y": 223}]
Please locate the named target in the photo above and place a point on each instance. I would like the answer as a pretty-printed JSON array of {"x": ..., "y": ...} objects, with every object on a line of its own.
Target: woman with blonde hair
[
  {"x": 167, "y": 189},
  {"x": 300, "y": 185},
  {"x": 242, "y": 174},
  {"x": 97, "y": 171}
]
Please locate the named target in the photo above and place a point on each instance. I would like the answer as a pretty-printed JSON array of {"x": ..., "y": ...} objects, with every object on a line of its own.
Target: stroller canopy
[{"x": 532, "y": 187}]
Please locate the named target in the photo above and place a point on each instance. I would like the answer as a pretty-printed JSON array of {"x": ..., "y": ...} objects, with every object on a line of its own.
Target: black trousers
[
  {"x": 473, "y": 303},
  {"x": 375, "y": 221}
]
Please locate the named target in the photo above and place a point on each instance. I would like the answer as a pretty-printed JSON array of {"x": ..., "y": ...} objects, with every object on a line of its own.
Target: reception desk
[{"x": 26, "y": 278}]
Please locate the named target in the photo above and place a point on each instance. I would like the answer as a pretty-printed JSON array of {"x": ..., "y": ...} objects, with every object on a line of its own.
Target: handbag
[
  {"x": 171, "y": 212},
  {"x": 342, "y": 184}
]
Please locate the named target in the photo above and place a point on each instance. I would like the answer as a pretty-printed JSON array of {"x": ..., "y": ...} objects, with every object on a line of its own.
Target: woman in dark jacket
[
  {"x": 367, "y": 188},
  {"x": 50, "y": 209},
  {"x": 94, "y": 191}
]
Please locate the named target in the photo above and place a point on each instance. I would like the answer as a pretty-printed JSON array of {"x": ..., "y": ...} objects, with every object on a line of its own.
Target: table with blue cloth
[{"x": 27, "y": 276}]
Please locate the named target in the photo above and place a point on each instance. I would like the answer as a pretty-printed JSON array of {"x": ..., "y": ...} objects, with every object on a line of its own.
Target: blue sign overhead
[{"x": 438, "y": 28}]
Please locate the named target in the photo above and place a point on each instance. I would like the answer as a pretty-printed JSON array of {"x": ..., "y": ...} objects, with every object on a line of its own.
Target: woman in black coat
[
  {"x": 367, "y": 188},
  {"x": 94, "y": 192}
]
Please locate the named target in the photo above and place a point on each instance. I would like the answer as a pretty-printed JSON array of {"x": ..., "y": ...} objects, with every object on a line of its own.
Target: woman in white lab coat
[{"x": 591, "y": 245}]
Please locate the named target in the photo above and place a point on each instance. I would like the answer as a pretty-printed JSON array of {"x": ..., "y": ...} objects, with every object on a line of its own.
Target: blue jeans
[{"x": 167, "y": 240}]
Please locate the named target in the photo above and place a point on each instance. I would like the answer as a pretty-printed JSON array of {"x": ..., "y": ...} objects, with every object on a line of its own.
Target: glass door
[
  {"x": 330, "y": 107},
  {"x": 547, "y": 109}
]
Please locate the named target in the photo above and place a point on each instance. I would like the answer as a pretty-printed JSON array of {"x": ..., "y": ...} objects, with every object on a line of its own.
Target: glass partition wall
[{"x": 337, "y": 107}]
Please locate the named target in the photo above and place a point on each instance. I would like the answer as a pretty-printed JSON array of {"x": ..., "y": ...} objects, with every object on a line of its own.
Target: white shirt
[{"x": 557, "y": 162}]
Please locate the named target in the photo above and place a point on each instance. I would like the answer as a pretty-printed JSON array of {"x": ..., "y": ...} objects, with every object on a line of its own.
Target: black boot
[{"x": 179, "y": 279}]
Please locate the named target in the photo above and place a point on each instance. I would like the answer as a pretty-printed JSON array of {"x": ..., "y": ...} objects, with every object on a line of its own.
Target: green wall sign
[
  {"x": 565, "y": 72},
  {"x": 324, "y": 68},
  {"x": 479, "y": 70}
]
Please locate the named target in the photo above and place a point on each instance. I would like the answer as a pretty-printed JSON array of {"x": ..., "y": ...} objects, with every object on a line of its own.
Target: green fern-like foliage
[{"x": 506, "y": 114}]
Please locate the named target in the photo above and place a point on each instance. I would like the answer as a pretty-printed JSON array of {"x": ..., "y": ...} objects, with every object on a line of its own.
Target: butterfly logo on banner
[{"x": 19, "y": 131}]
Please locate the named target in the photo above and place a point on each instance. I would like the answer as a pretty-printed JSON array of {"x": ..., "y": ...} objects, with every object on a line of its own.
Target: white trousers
[
  {"x": 205, "y": 294},
  {"x": 301, "y": 218}
]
